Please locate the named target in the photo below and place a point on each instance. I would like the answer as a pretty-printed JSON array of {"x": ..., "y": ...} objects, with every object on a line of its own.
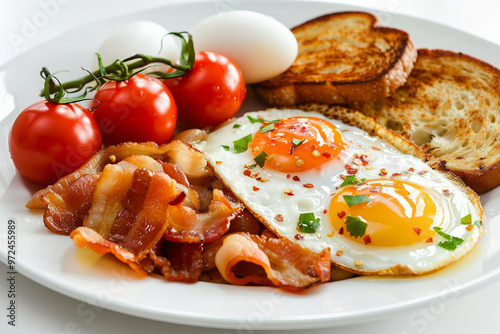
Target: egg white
[{"x": 271, "y": 199}]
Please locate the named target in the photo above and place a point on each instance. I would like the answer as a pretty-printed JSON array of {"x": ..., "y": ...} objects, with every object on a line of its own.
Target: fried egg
[{"x": 322, "y": 183}]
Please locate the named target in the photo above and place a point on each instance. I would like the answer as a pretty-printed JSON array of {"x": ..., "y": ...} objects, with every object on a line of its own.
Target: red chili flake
[
  {"x": 279, "y": 218},
  {"x": 469, "y": 227},
  {"x": 343, "y": 177},
  {"x": 178, "y": 199},
  {"x": 446, "y": 192},
  {"x": 341, "y": 214},
  {"x": 299, "y": 236},
  {"x": 417, "y": 230},
  {"x": 292, "y": 149},
  {"x": 375, "y": 189},
  {"x": 395, "y": 174},
  {"x": 352, "y": 171},
  {"x": 375, "y": 148},
  {"x": 360, "y": 159},
  {"x": 367, "y": 239},
  {"x": 383, "y": 172},
  {"x": 296, "y": 178},
  {"x": 255, "y": 188},
  {"x": 325, "y": 211},
  {"x": 339, "y": 253},
  {"x": 429, "y": 240},
  {"x": 308, "y": 185},
  {"x": 341, "y": 231},
  {"x": 253, "y": 176},
  {"x": 218, "y": 162},
  {"x": 288, "y": 192},
  {"x": 326, "y": 154},
  {"x": 411, "y": 169},
  {"x": 287, "y": 176},
  {"x": 422, "y": 172},
  {"x": 247, "y": 172}
]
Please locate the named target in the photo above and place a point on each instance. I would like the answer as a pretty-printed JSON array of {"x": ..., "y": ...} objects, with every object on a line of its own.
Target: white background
[{"x": 44, "y": 311}]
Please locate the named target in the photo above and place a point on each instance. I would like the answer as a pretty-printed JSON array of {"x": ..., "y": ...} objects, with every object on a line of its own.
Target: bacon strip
[
  {"x": 191, "y": 161},
  {"x": 250, "y": 259},
  {"x": 186, "y": 225},
  {"x": 66, "y": 211}
]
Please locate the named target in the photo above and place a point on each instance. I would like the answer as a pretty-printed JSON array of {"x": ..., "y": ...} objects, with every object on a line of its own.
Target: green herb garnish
[
  {"x": 241, "y": 145},
  {"x": 350, "y": 180},
  {"x": 297, "y": 142},
  {"x": 355, "y": 199},
  {"x": 355, "y": 226},
  {"x": 267, "y": 128},
  {"x": 467, "y": 220},
  {"x": 225, "y": 147},
  {"x": 236, "y": 126},
  {"x": 451, "y": 242},
  {"x": 261, "y": 159},
  {"x": 308, "y": 223}
]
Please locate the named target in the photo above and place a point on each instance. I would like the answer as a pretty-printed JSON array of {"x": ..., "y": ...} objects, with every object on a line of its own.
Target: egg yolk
[
  {"x": 395, "y": 213},
  {"x": 297, "y": 144}
]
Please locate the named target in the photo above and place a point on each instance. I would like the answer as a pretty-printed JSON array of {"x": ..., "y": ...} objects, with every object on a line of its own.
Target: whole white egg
[
  {"x": 143, "y": 37},
  {"x": 259, "y": 44}
]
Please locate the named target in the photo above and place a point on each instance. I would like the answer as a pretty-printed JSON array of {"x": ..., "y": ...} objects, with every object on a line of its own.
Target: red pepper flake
[
  {"x": 218, "y": 162},
  {"x": 360, "y": 159},
  {"x": 288, "y": 192},
  {"x": 247, "y": 172},
  {"x": 278, "y": 218},
  {"x": 383, "y": 172},
  {"x": 411, "y": 169},
  {"x": 326, "y": 154},
  {"x": 422, "y": 172},
  {"x": 350, "y": 170},
  {"x": 417, "y": 230},
  {"x": 469, "y": 227},
  {"x": 287, "y": 176},
  {"x": 341, "y": 231},
  {"x": 343, "y": 177},
  {"x": 325, "y": 211},
  {"x": 375, "y": 189},
  {"x": 299, "y": 236},
  {"x": 339, "y": 253},
  {"x": 429, "y": 240},
  {"x": 395, "y": 174},
  {"x": 446, "y": 193},
  {"x": 308, "y": 185},
  {"x": 296, "y": 178},
  {"x": 341, "y": 214},
  {"x": 255, "y": 188},
  {"x": 292, "y": 149},
  {"x": 253, "y": 176},
  {"x": 375, "y": 148},
  {"x": 367, "y": 239}
]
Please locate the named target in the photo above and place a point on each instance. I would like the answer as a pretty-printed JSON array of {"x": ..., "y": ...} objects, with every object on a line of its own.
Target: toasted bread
[
  {"x": 450, "y": 107},
  {"x": 343, "y": 57}
]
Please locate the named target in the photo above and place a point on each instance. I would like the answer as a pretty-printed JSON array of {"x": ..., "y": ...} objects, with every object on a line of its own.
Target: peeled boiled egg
[
  {"x": 260, "y": 45},
  {"x": 143, "y": 37}
]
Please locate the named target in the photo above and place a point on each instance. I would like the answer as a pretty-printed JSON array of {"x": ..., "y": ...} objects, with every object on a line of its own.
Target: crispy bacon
[
  {"x": 186, "y": 225},
  {"x": 66, "y": 211},
  {"x": 189, "y": 160},
  {"x": 250, "y": 259}
]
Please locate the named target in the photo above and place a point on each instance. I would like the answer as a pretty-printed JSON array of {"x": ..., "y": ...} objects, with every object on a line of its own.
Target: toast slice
[
  {"x": 343, "y": 57},
  {"x": 450, "y": 107}
]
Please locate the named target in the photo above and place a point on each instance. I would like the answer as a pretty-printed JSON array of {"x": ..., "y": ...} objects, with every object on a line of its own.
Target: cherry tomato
[
  {"x": 138, "y": 109},
  {"x": 49, "y": 140},
  {"x": 210, "y": 93}
]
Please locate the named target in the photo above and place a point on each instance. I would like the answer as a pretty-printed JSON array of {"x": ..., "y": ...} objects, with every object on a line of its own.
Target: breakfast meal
[{"x": 366, "y": 163}]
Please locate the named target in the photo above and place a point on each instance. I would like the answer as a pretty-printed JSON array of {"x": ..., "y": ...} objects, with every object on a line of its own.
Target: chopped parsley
[
  {"x": 355, "y": 199},
  {"x": 225, "y": 147},
  {"x": 451, "y": 242},
  {"x": 297, "y": 142},
  {"x": 261, "y": 159},
  {"x": 236, "y": 126},
  {"x": 267, "y": 128},
  {"x": 350, "y": 180},
  {"x": 467, "y": 220},
  {"x": 259, "y": 120},
  {"x": 356, "y": 227},
  {"x": 308, "y": 223},
  {"x": 241, "y": 145}
]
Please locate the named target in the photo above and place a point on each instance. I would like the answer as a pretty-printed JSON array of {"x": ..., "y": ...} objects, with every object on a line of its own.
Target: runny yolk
[
  {"x": 297, "y": 144},
  {"x": 399, "y": 213}
]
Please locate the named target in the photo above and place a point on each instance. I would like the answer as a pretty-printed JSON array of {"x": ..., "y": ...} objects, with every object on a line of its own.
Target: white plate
[{"x": 53, "y": 260}]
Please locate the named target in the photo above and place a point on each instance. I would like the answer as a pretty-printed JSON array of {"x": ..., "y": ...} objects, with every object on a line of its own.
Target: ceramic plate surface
[{"x": 53, "y": 260}]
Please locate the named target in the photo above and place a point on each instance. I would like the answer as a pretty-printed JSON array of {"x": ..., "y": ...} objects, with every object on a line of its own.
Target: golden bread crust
[{"x": 343, "y": 57}]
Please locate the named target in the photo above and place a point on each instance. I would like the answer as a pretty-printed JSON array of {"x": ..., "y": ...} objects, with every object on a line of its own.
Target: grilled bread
[
  {"x": 450, "y": 107},
  {"x": 343, "y": 57}
]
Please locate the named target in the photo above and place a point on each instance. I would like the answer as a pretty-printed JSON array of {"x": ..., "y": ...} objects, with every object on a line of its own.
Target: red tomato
[
  {"x": 210, "y": 93},
  {"x": 49, "y": 140},
  {"x": 138, "y": 109}
]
